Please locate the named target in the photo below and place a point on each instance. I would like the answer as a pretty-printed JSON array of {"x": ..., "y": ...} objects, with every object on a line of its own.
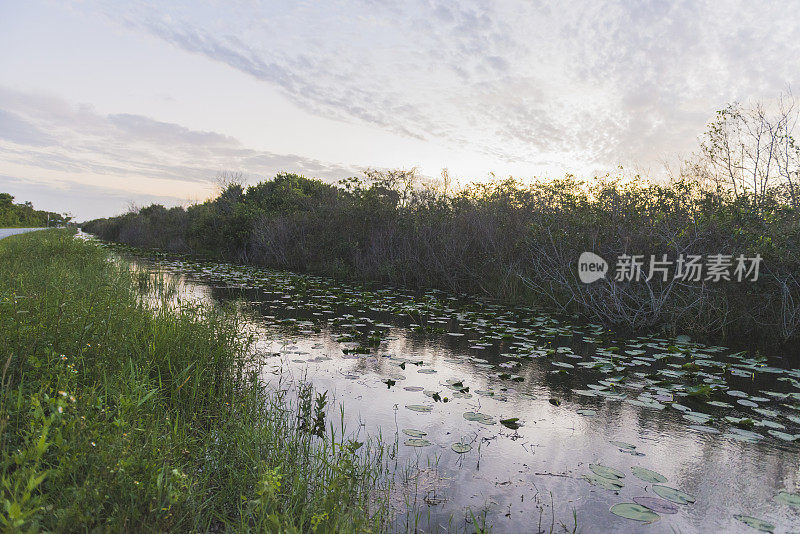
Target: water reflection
[{"x": 366, "y": 346}]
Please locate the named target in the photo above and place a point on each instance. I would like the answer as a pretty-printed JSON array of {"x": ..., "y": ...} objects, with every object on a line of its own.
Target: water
[{"x": 525, "y": 364}]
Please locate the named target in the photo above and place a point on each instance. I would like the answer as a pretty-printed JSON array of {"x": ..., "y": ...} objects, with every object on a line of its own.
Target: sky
[{"x": 104, "y": 105}]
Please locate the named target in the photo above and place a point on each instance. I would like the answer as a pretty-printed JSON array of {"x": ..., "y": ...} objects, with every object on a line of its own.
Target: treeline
[
  {"x": 505, "y": 240},
  {"x": 520, "y": 242},
  {"x": 24, "y": 215}
]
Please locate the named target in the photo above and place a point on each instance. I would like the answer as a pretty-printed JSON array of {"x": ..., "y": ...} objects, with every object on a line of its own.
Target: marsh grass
[{"x": 117, "y": 415}]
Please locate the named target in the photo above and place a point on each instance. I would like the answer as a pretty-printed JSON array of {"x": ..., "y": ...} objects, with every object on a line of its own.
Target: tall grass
[{"x": 117, "y": 415}]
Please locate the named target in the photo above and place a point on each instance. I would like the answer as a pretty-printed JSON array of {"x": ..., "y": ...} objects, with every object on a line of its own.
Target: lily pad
[
  {"x": 606, "y": 472},
  {"x": 605, "y": 483},
  {"x": 647, "y": 475},
  {"x": 634, "y": 511},
  {"x": 417, "y": 442},
  {"x": 461, "y": 448},
  {"x": 586, "y": 412},
  {"x": 479, "y": 417},
  {"x": 512, "y": 423},
  {"x": 674, "y": 495},
  {"x": 792, "y": 499},
  {"x": 414, "y": 433},
  {"x": 657, "y": 505},
  {"x": 782, "y": 435},
  {"x": 646, "y": 403},
  {"x": 758, "y": 524},
  {"x": 720, "y": 404},
  {"x": 623, "y": 445},
  {"x": 425, "y": 408}
]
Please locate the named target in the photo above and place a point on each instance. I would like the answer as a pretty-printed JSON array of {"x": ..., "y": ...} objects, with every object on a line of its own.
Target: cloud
[
  {"x": 602, "y": 82},
  {"x": 132, "y": 155},
  {"x": 81, "y": 200},
  {"x": 17, "y": 130}
]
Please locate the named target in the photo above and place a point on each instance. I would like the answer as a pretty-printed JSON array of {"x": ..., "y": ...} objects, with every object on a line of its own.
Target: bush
[{"x": 513, "y": 242}]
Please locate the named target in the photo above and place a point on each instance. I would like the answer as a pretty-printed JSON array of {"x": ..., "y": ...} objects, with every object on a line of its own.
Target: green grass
[{"x": 117, "y": 415}]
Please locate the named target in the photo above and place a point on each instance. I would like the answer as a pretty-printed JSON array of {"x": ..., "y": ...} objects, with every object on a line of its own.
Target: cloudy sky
[{"x": 106, "y": 103}]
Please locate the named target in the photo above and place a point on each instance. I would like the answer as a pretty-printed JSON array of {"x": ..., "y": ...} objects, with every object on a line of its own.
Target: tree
[{"x": 751, "y": 152}]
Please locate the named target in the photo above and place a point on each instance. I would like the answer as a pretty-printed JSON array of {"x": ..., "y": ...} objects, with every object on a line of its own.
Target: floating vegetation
[
  {"x": 758, "y": 524},
  {"x": 647, "y": 475},
  {"x": 606, "y": 472},
  {"x": 657, "y": 505},
  {"x": 792, "y": 499},
  {"x": 646, "y": 403},
  {"x": 634, "y": 511},
  {"x": 485, "y": 354},
  {"x": 672, "y": 494},
  {"x": 479, "y": 417},
  {"x": 512, "y": 423},
  {"x": 461, "y": 448},
  {"x": 623, "y": 445},
  {"x": 606, "y": 483}
]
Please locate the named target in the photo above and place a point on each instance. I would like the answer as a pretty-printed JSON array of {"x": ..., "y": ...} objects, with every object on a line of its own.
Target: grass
[{"x": 117, "y": 415}]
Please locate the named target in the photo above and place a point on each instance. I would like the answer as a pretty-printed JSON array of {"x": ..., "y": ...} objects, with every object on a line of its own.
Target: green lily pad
[
  {"x": 782, "y": 435},
  {"x": 672, "y": 494},
  {"x": 461, "y": 448},
  {"x": 512, "y": 423},
  {"x": 420, "y": 408},
  {"x": 479, "y": 417},
  {"x": 623, "y": 445},
  {"x": 605, "y": 483},
  {"x": 646, "y": 403},
  {"x": 758, "y": 524},
  {"x": 414, "y": 433},
  {"x": 634, "y": 511},
  {"x": 647, "y": 475},
  {"x": 606, "y": 472},
  {"x": 656, "y": 504},
  {"x": 720, "y": 404},
  {"x": 417, "y": 442},
  {"x": 792, "y": 499}
]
